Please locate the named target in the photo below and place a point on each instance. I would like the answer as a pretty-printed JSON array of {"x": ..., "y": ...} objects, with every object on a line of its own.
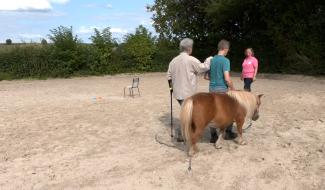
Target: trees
[
  {"x": 296, "y": 28},
  {"x": 179, "y": 19},
  {"x": 63, "y": 38},
  {"x": 65, "y": 45},
  {"x": 104, "y": 41},
  {"x": 67, "y": 56},
  {"x": 287, "y": 35},
  {"x": 43, "y": 42},
  {"x": 140, "y": 47},
  {"x": 8, "y": 42}
]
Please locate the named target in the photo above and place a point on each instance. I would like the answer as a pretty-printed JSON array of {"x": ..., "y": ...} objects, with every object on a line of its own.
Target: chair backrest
[{"x": 135, "y": 83}]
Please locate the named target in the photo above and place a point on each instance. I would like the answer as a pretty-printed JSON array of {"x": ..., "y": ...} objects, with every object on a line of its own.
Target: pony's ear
[{"x": 260, "y": 96}]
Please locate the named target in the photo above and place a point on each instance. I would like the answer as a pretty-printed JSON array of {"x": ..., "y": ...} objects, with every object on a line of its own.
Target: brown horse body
[{"x": 221, "y": 109}]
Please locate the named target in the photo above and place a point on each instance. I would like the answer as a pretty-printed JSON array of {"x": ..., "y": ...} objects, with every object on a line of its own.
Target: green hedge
[{"x": 46, "y": 61}]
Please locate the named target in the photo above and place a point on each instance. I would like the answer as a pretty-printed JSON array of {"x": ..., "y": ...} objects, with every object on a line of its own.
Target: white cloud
[
  {"x": 119, "y": 30},
  {"x": 87, "y": 29},
  {"x": 90, "y": 30},
  {"x": 29, "y": 5},
  {"x": 30, "y": 36},
  {"x": 98, "y": 5},
  {"x": 146, "y": 22},
  {"x": 59, "y": 1},
  {"x": 124, "y": 16}
]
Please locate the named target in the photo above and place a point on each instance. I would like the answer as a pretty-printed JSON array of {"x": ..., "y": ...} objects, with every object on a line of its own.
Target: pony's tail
[{"x": 186, "y": 120}]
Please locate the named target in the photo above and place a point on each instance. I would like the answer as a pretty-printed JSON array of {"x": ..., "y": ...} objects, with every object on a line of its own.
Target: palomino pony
[{"x": 221, "y": 109}]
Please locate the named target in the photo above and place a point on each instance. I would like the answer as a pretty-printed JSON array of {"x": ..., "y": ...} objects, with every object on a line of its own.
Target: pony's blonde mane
[{"x": 245, "y": 99}]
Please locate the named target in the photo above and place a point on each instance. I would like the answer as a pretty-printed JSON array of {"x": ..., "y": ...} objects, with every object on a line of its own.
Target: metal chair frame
[{"x": 135, "y": 85}]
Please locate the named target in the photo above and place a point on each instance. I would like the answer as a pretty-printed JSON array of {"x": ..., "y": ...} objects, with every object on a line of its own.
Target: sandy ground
[{"x": 55, "y": 135}]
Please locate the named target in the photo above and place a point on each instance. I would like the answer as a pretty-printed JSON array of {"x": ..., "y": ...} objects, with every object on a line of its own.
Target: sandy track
[{"x": 54, "y": 135}]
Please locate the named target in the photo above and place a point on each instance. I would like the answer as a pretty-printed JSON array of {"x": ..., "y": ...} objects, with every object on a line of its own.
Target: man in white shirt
[{"x": 183, "y": 72}]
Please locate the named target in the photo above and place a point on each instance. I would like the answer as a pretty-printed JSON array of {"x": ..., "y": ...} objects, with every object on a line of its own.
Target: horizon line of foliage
[
  {"x": 287, "y": 36},
  {"x": 67, "y": 56}
]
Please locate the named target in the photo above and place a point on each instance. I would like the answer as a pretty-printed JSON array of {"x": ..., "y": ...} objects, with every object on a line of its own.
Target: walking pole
[
  {"x": 171, "y": 115},
  {"x": 170, "y": 84}
]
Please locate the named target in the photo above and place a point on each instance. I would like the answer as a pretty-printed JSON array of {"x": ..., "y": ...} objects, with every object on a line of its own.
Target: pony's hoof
[
  {"x": 243, "y": 142},
  {"x": 218, "y": 146},
  {"x": 191, "y": 152}
]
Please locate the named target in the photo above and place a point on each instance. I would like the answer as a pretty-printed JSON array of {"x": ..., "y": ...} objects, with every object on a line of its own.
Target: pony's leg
[
  {"x": 218, "y": 144},
  {"x": 195, "y": 137},
  {"x": 240, "y": 124},
  {"x": 193, "y": 150}
]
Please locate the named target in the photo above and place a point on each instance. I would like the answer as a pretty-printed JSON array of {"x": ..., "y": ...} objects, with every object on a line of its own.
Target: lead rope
[
  {"x": 189, "y": 169},
  {"x": 248, "y": 126},
  {"x": 163, "y": 143}
]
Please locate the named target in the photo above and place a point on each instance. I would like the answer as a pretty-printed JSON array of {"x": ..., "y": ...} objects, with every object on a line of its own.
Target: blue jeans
[
  {"x": 247, "y": 84},
  {"x": 218, "y": 90}
]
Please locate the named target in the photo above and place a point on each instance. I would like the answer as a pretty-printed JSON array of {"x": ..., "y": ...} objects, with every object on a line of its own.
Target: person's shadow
[{"x": 165, "y": 120}]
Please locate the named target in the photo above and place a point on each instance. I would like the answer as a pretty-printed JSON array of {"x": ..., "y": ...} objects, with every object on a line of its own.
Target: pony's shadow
[{"x": 165, "y": 120}]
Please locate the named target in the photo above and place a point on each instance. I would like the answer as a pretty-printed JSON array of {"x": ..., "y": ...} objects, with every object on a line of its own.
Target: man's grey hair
[{"x": 186, "y": 44}]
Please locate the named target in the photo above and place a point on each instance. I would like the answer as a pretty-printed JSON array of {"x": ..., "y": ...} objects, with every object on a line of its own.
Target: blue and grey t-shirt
[{"x": 219, "y": 64}]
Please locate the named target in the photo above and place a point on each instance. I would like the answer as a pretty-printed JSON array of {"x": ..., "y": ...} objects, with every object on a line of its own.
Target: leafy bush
[
  {"x": 104, "y": 44},
  {"x": 64, "y": 51},
  {"x": 44, "y": 42},
  {"x": 8, "y": 42},
  {"x": 63, "y": 38},
  {"x": 67, "y": 56},
  {"x": 166, "y": 51},
  {"x": 141, "y": 48}
]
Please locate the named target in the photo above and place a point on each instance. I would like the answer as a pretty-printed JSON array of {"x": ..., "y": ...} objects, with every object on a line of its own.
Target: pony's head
[{"x": 256, "y": 111}]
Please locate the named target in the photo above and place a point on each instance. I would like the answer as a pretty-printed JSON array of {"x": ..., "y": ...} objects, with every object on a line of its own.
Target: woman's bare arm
[{"x": 256, "y": 69}]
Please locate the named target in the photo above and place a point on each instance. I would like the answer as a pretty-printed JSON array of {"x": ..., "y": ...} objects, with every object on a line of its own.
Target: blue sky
[{"x": 26, "y": 20}]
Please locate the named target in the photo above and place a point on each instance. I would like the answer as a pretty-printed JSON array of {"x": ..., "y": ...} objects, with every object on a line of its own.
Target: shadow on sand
[{"x": 165, "y": 138}]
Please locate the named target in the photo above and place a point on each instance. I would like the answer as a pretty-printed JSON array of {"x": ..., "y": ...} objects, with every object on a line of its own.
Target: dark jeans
[
  {"x": 213, "y": 131},
  {"x": 247, "y": 84}
]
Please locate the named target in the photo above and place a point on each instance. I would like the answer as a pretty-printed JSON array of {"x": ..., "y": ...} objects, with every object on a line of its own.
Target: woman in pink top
[{"x": 250, "y": 67}]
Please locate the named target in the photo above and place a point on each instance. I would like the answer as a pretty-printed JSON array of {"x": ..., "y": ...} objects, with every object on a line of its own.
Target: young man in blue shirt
[{"x": 220, "y": 81}]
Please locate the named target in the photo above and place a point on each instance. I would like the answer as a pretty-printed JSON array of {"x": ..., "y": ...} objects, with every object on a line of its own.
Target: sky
[{"x": 31, "y": 20}]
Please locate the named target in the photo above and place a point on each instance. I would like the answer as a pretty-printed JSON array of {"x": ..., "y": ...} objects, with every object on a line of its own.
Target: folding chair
[{"x": 135, "y": 84}]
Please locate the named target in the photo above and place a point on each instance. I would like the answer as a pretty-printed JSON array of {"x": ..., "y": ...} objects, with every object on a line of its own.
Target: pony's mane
[{"x": 245, "y": 99}]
